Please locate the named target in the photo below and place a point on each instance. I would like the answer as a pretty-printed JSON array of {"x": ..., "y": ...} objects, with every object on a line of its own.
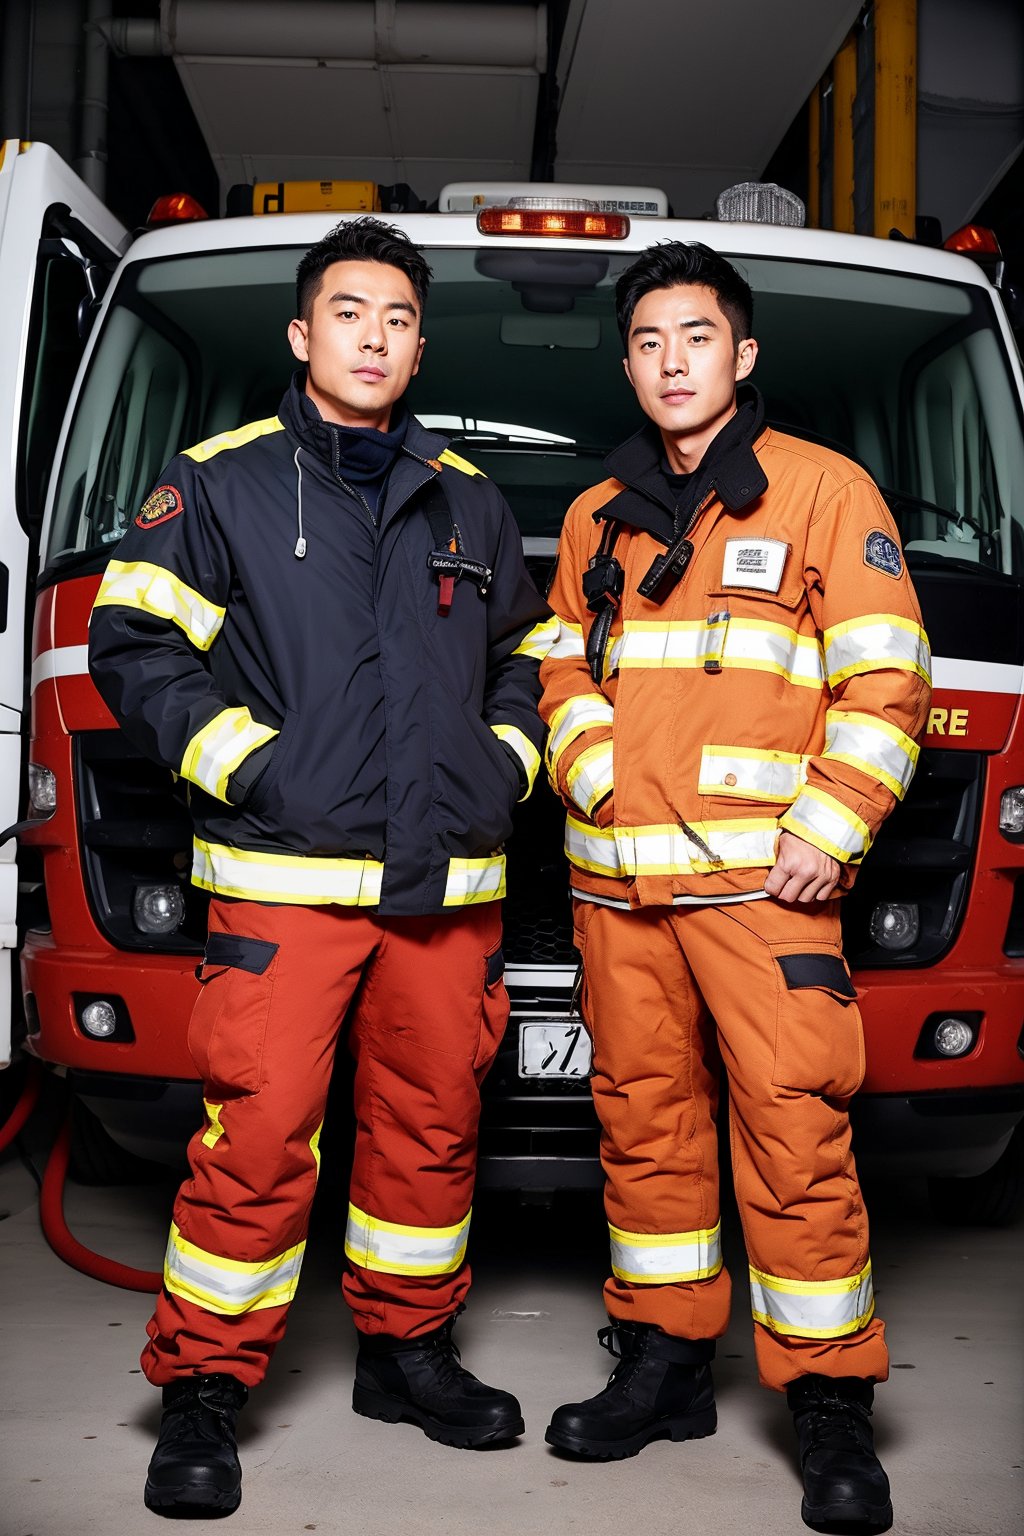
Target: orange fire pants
[
  {"x": 789, "y": 1034},
  {"x": 426, "y": 1007}
]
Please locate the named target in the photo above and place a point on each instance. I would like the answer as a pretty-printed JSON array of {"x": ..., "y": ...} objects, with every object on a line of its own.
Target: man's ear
[
  {"x": 629, "y": 376},
  {"x": 298, "y": 339},
  {"x": 746, "y": 357},
  {"x": 419, "y": 357}
]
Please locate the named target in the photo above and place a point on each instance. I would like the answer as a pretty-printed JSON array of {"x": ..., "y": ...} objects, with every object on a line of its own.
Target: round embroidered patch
[
  {"x": 163, "y": 504},
  {"x": 883, "y": 553}
]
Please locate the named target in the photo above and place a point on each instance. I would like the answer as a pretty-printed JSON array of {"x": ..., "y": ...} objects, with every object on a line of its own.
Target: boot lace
[{"x": 839, "y": 1425}]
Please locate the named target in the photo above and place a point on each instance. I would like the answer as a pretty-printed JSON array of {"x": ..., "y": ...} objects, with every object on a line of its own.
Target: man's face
[
  {"x": 361, "y": 344},
  {"x": 685, "y": 365}
]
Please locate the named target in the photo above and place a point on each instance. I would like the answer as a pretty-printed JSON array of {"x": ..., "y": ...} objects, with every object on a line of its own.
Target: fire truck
[{"x": 121, "y": 350}]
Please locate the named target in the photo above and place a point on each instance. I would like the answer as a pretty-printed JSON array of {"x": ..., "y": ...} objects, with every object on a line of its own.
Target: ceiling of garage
[{"x": 665, "y": 92}]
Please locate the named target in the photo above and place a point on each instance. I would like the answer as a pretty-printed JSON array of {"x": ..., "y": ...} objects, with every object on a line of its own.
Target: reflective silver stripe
[
  {"x": 228, "y": 1286},
  {"x": 401, "y": 1250},
  {"x": 214, "y": 753},
  {"x": 874, "y": 643},
  {"x": 590, "y": 777},
  {"x": 474, "y": 880},
  {"x": 524, "y": 749},
  {"x": 812, "y": 1309},
  {"x": 666, "y": 850},
  {"x": 879, "y": 749},
  {"x": 285, "y": 877},
  {"x": 824, "y": 821},
  {"x": 646, "y": 1259},
  {"x": 750, "y": 773},
  {"x": 748, "y": 643},
  {"x": 539, "y": 641},
  {"x": 136, "y": 584},
  {"x": 569, "y": 645},
  {"x": 572, "y": 718}
]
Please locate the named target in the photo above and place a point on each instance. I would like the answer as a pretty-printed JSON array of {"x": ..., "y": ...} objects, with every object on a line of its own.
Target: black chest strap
[
  {"x": 446, "y": 561},
  {"x": 603, "y": 581}
]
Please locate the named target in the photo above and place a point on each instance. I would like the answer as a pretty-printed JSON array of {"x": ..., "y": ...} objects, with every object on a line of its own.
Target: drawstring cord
[{"x": 300, "y": 543}]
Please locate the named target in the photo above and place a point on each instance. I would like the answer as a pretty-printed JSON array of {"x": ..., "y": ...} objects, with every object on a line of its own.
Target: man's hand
[{"x": 801, "y": 872}]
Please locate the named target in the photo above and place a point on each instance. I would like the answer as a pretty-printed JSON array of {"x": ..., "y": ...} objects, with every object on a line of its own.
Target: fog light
[
  {"x": 953, "y": 1037},
  {"x": 158, "y": 908},
  {"x": 99, "y": 1019},
  {"x": 896, "y": 924},
  {"x": 42, "y": 788},
  {"x": 1011, "y": 811}
]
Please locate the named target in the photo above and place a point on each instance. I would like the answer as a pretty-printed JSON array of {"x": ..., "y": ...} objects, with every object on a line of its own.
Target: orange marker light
[
  {"x": 556, "y": 223},
  {"x": 974, "y": 240},
  {"x": 176, "y": 208}
]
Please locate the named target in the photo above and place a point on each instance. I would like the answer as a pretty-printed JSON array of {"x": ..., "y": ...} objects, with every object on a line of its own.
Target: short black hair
[
  {"x": 362, "y": 239},
  {"x": 681, "y": 264}
]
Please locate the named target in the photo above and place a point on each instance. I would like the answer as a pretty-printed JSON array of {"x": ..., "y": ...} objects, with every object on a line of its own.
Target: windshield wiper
[
  {"x": 898, "y": 501},
  {"x": 521, "y": 444}
]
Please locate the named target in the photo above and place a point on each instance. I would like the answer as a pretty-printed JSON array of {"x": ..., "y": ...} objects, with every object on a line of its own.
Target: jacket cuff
[{"x": 252, "y": 768}]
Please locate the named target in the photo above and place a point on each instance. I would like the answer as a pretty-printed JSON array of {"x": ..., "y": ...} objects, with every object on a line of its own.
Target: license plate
[{"x": 553, "y": 1050}]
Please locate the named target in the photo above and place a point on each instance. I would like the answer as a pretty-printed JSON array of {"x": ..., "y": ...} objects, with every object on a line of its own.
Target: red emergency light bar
[
  {"x": 556, "y": 223},
  {"x": 974, "y": 240},
  {"x": 176, "y": 208}
]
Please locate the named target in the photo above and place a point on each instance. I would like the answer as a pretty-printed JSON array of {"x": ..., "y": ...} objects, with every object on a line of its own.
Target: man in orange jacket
[{"x": 732, "y": 703}]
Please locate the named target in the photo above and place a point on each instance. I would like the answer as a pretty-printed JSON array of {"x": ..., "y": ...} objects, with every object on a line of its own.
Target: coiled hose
[{"x": 51, "y": 1199}]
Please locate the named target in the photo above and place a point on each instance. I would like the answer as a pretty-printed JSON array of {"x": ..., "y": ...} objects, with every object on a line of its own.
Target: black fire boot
[
  {"x": 195, "y": 1464},
  {"x": 845, "y": 1488},
  {"x": 661, "y": 1389},
  {"x": 421, "y": 1381}
]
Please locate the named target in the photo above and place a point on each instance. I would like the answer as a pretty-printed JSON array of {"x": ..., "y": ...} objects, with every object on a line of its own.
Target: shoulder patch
[
  {"x": 160, "y": 507},
  {"x": 454, "y": 461},
  {"x": 882, "y": 553}
]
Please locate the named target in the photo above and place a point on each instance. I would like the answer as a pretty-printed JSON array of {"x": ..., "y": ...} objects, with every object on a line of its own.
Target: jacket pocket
[
  {"x": 730, "y": 585},
  {"x": 750, "y": 773},
  {"x": 477, "y": 785},
  {"x": 228, "y": 1027},
  {"x": 263, "y": 795},
  {"x": 819, "y": 1039}
]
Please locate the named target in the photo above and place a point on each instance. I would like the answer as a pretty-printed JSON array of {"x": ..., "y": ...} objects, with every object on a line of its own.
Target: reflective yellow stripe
[
  {"x": 455, "y": 462},
  {"x": 214, "y": 1130},
  {"x": 236, "y": 439},
  {"x": 569, "y": 644},
  {"x": 539, "y": 641},
  {"x": 876, "y": 643},
  {"x": 746, "y": 843},
  {"x": 750, "y": 773},
  {"x": 812, "y": 1309},
  {"x": 580, "y": 713},
  {"x": 524, "y": 749},
  {"x": 820, "y": 819},
  {"x": 228, "y": 1286},
  {"x": 590, "y": 777},
  {"x": 474, "y": 880},
  {"x": 754, "y": 644},
  {"x": 314, "y": 1146},
  {"x": 874, "y": 746},
  {"x": 214, "y": 753},
  {"x": 286, "y": 878},
  {"x": 137, "y": 584},
  {"x": 643, "y": 1258},
  {"x": 400, "y": 1250}
]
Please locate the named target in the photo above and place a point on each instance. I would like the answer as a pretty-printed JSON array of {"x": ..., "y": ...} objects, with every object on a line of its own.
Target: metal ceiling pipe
[
  {"x": 91, "y": 161},
  {"x": 421, "y": 32},
  {"x": 133, "y": 37}
]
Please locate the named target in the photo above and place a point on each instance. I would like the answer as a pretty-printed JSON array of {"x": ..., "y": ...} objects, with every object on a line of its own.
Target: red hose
[
  {"x": 27, "y": 1100},
  {"x": 67, "y": 1247}
]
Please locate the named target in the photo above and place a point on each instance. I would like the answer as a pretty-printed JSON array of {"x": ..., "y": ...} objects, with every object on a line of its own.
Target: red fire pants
[
  {"x": 789, "y": 1034},
  {"x": 426, "y": 1007}
]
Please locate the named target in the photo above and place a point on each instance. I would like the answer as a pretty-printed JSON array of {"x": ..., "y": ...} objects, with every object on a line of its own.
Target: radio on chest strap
[{"x": 446, "y": 562}]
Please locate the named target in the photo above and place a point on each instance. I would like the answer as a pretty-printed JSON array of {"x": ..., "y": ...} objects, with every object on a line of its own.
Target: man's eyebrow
[
  {"x": 685, "y": 325},
  {"x": 355, "y": 298}
]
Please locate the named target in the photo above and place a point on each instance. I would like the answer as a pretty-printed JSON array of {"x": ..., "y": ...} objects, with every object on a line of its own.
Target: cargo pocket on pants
[
  {"x": 494, "y": 1011},
  {"x": 819, "y": 1040},
  {"x": 228, "y": 1027}
]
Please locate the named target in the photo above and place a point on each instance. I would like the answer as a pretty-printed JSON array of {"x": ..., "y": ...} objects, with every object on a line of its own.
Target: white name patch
[{"x": 755, "y": 563}]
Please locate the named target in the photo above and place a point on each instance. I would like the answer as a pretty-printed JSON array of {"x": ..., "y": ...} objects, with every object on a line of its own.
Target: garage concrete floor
[{"x": 78, "y": 1419}]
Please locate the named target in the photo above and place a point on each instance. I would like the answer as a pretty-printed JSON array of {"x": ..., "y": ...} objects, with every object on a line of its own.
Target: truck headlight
[
  {"x": 1011, "y": 811},
  {"x": 158, "y": 908},
  {"x": 42, "y": 789},
  {"x": 896, "y": 924},
  {"x": 99, "y": 1019}
]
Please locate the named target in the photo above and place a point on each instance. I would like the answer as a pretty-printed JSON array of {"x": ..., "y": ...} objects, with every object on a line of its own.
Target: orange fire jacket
[{"x": 781, "y": 685}]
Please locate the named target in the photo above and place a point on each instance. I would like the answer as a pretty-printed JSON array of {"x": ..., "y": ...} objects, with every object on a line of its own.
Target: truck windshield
[{"x": 522, "y": 372}]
